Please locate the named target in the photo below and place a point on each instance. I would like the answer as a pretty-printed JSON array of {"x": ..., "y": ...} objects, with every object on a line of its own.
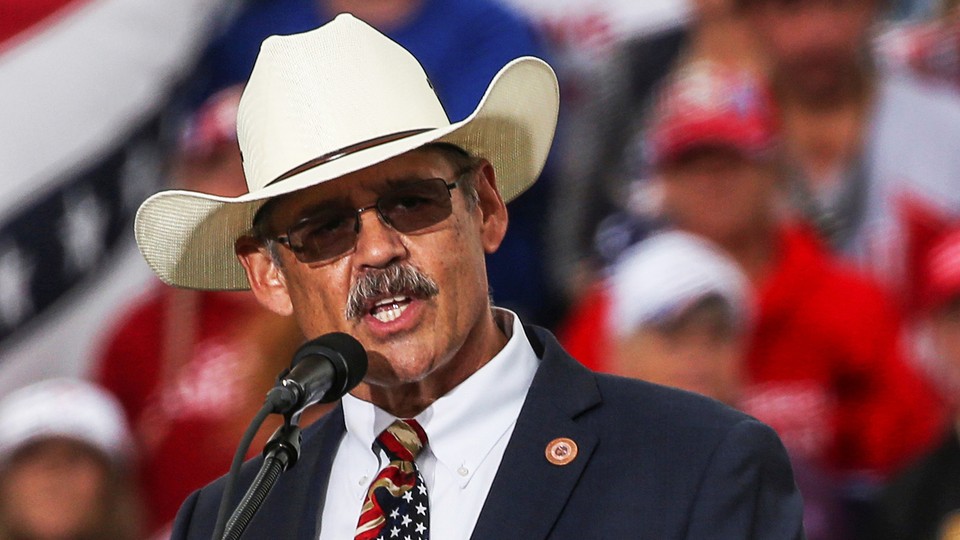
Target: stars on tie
[
  {"x": 405, "y": 522},
  {"x": 403, "y": 510}
]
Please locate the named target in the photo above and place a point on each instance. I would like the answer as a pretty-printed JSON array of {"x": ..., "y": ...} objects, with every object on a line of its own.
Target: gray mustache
[{"x": 391, "y": 281}]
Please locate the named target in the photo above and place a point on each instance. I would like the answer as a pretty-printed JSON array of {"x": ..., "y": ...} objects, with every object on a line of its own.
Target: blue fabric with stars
[{"x": 408, "y": 516}]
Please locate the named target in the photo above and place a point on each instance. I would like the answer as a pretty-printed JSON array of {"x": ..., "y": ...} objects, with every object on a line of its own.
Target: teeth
[
  {"x": 389, "y": 314},
  {"x": 389, "y": 309},
  {"x": 388, "y": 301}
]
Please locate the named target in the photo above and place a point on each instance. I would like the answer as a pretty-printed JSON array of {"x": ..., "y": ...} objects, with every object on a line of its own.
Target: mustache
[{"x": 395, "y": 280}]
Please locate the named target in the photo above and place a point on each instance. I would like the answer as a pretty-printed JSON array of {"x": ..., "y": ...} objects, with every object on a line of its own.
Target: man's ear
[
  {"x": 492, "y": 208},
  {"x": 266, "y": 280}
]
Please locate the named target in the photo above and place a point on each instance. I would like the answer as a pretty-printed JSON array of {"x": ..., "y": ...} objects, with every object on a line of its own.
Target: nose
[{"x": 378, "y": 244}]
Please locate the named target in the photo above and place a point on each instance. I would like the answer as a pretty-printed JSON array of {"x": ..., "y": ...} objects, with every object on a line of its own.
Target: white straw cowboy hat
[{"x": 326, "y": 103}]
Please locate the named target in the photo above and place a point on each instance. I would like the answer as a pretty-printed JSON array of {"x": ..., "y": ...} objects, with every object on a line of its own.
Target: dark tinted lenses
[
  {"x": 332, "y": 232},
  {"x": 416, "y": 206}
]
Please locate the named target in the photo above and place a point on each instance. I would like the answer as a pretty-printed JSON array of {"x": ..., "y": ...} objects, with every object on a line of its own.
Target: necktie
[{"x": 396, "y": 505}]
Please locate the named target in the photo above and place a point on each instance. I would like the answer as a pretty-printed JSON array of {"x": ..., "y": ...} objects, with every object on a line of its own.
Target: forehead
[
  {"x": 361, "y": 187},
  {"x": 709, "y": 156}
]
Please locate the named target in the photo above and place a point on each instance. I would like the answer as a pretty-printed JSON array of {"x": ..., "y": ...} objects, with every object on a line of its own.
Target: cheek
[{"x": 319, "y": 297}]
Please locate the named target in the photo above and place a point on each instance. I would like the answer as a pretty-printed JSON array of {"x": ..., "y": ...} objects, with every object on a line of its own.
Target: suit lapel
[
  {"x": 529, "y": 492},
  {"x": 289, "y": 510},
  {"x": 327, "y": 445}
]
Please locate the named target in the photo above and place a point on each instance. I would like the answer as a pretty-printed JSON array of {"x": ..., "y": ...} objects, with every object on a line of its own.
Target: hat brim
[{"x": 188, "y": 237}]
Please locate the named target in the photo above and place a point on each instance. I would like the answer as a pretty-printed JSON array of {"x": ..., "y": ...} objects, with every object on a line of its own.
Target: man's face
[
  {"x": 717, "y": 193},
  {"x": 813, "y": 44},
  {"x": 411, "y": 337},
  {"x": 54, "y": 489},
  {"x": 700, "y": 355}
]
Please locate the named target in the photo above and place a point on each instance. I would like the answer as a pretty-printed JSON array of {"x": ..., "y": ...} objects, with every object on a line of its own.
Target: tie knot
[{"x": 403, "y": 440}]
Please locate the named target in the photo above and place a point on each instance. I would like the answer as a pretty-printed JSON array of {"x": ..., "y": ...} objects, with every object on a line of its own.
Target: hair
[{"x": 713, "y": 309}]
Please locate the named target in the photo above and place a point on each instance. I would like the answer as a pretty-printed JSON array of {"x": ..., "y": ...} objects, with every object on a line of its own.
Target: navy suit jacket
[{"x": 653, "y": 463}]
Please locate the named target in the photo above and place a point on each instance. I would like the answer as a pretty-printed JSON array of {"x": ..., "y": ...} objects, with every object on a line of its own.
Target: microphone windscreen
[{"x": 347, "y": 355}]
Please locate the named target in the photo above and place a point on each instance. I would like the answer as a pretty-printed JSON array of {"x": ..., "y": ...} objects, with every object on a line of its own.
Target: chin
[{"x": 386, "y": 372}]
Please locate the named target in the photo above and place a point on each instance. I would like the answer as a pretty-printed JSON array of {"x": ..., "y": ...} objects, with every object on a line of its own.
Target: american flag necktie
[{"x": 396, "y": 506}]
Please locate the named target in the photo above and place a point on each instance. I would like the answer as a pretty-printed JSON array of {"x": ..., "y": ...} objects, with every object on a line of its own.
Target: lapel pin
[{"x": 561, "y": 451}]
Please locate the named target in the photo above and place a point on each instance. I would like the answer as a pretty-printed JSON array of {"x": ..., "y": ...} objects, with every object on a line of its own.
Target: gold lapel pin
[{"x": 561, "y": 451}]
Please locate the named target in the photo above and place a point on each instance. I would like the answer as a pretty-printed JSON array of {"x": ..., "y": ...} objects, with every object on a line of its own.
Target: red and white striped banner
[{"x": 83, "y": 88}]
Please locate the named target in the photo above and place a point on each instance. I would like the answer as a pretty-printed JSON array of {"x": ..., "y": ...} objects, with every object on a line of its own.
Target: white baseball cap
[
  {"x": 660, "y": 277},
  {"x": 64, "y": 408}
]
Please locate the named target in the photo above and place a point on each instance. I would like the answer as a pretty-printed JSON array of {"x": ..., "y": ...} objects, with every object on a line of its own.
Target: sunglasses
[{"x": 332, "y": 231}]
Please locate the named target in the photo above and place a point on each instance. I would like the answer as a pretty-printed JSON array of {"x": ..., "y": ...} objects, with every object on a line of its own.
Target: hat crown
[{"x": 317, "y": 93}]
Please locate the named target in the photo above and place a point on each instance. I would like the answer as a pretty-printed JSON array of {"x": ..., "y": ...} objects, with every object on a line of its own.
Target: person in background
[
  {"x": 681, "y": 313},
  {"x": 859, "y": 138},
  {"x": 66, "y": 465},
  {"x": 590, "y": 222},
  {"x": 824, "y": 363},
  {"x": 714, "y": 145},
  {"x": 167, "y": 356},
  {"x": 923, "y": 502}
]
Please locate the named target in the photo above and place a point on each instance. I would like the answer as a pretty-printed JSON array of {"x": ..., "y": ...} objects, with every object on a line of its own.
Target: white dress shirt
[{"x": 467, "y": 429}]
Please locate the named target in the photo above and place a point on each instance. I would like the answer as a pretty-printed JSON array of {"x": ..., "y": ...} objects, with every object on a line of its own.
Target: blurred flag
[{"x": 84, "y": 85}]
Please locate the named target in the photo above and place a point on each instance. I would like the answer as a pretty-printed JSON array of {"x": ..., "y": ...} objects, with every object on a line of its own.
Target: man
[
  {"x": 66, "y": 464},
  {"x": 369, "y": 213},
  {"x": 458, "y": 60},
  {"x": 825, "y": 363},
  {"x": 860, "y": 138},
  {"x": 680, "y": 313},
  {"x": 825, "y": 337}
]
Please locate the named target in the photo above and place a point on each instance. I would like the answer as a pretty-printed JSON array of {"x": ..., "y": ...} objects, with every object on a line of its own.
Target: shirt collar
[{"x": 464, "y": 425}]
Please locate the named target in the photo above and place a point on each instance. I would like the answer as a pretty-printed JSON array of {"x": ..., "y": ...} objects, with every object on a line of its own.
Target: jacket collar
[{"x": 529, "y": 492}]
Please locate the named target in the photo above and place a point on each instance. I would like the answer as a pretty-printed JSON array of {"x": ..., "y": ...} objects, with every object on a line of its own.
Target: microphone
[{"x": 323, "y": 370}]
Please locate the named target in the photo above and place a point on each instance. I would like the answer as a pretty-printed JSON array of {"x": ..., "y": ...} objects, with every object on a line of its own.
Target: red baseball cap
[
  {"x": 707, "y": 104},
  {"x": 941, "y": 271},
  {"x": 213, "y": 124}
]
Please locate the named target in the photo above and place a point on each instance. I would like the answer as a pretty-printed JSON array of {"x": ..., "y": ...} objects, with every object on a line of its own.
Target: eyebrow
[{"x": 342, "y": 202}]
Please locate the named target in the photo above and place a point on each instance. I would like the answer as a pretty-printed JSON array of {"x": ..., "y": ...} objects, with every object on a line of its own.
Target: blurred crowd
[{"x": 754, "y": 200}]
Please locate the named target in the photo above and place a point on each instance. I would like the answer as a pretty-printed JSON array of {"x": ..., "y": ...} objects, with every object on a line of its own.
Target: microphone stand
[{"x": 280, "y": 453}]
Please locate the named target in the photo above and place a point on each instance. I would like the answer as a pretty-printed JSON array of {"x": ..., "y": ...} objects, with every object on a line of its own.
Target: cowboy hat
[{"x": 329, "y": 102}]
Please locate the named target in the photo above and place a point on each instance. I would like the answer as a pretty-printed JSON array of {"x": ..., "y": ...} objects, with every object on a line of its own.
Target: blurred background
[{"x": 756, "y": 200}]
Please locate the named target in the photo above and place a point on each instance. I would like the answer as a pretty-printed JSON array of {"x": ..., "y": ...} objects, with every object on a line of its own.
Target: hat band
[{"x": 345, "y": 151}]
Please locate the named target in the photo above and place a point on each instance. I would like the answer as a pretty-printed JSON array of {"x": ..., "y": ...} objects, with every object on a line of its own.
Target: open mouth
[{"x": 389, "y": 309}]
